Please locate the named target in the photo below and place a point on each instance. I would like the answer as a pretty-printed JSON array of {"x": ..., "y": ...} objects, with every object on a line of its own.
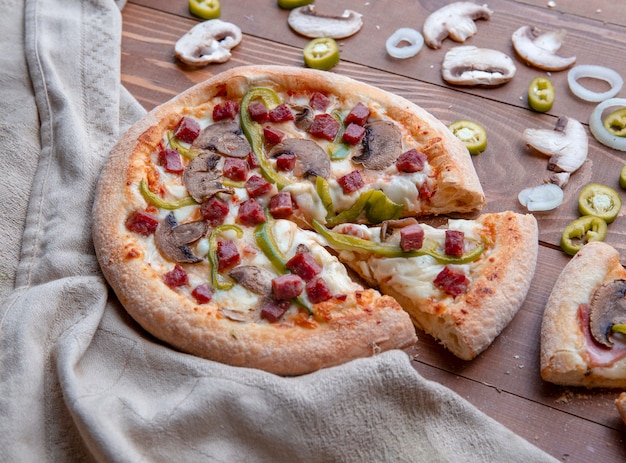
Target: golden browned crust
[
  {"x": 563, "y": 345},
  {"x": 620, "y": 404}
]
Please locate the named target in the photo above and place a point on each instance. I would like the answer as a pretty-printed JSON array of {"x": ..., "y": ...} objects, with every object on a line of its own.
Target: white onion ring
[
  {"x": 596, "y": 126},
  {"x": 404, "y": 34},
  {"x": 594, "y": 72},
  {"x": 544, "y": 197}
]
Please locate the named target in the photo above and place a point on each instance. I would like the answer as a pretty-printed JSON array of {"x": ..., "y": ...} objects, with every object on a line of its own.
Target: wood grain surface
[{"x": 573, "y": 425}]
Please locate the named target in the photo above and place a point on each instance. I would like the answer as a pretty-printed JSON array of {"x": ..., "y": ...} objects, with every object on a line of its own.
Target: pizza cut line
[{"x": 227, "y": 218}]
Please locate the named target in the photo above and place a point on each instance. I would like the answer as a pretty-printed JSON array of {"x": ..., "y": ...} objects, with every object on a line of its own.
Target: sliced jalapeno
[
  {"x": 580, "y": 231},
  {"x": 622, "y": 177},
  {"x": 541, "y": 94},
  {"x": 161, "y": 203},
  {"x": 599, "y": 200},
  {"x": 321, "y": 53},
  {"x": 291, "y": 4},
  {"x": 205, "y": 9},
  {"x": 472, "y": 134},
  {"x": 616, "y": 122}
]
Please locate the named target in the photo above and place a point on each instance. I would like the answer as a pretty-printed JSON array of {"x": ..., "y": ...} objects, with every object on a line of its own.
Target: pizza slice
[
  {"x": 462, "y": 283},
  {"x": 582, "y": 332}
]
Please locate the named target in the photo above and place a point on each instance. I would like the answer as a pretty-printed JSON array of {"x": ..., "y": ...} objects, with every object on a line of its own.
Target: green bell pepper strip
[
  {"x": 618, "y": 328},
  {"x": 323, "y": 191},
  {"x": 353, "y": 243},
  {"x": 254, "y": 132},
  {"x": 217, "y": 280},
  {"x": 376, "y": 205},
  {"x": 265, "y": 240},
  {"x": 161, "y": 203},
  {"x": 174, "y": 143},
  {"x": 584, "y": 229}
]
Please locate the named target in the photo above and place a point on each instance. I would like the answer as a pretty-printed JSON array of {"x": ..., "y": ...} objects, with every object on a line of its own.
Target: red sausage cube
[
  {"x": 281, "y": 113},
  {"x": 274, "y": 310},
  {"x": 319, "y": 101},
  {"x": 318, "y": 291},
  {"x": 324, "y": 126},
  {"x": 411, "y": 237},
  {"x": 250, "y": 213},
  {"x": 287, "y": 286},
  {"x": 236, "y": 169},
  {"x": 454, "y": 242},
  {"x": 285, "y": 162},
  {"x": 304, "y": 265},
  {"x": 227, "y": 255},
  {"x": 351, "y": 182},
  {"x": 188, "y": 130},
  {"x": 202, "y": 294},
  {"x": 281, "y": 205},
  {"x": 171, "y": 161},
  {"x": 141, "y": 222},
  {"x": 176, "y": 277},
  {"x": 353, "y": 134},
  {"x": 358, "y": 115},
  {"x": 226, "y": 110},
  {"x": 272, "y": 135},
  {"x": 214, "y": 210},
  {"x": 258, "y": 112},
  {"x": 253, "y": 161},
  {"x": 257, "y": 186},
  {"x": 411, "y": 161},
  {"x": 453, "y": 283}
]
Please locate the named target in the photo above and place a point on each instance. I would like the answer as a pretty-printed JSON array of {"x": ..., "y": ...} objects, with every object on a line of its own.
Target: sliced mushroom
[
  {"x": 381, "y": 145},
  {"x": 202, "y": 180},
  {"x": 312, "y": 159},
  {"x": 303, "y": 117},
  {"x": 223, "y": 137},
  {"x": 608, "y": 307},
  {"x": 455, "y": 20},
  {"x": 539, "y": 49},
  {"x": 559, "y": 178},
  {"x": 255, "y": 279},
  {"x": 385, "y": 227},
  {"x": 468, "y": 65},
  {"x": 308, "y": 22},
  {"x": 567, "y": 144},
  {"x": 172, "y": 240},
  {"x": 208, "y": 42}
]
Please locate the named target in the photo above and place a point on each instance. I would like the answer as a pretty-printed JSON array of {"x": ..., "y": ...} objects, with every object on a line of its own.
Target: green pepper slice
[
  {"x": 323, "y": 191},
  {"x": 338, "y": 150},
  {"x": 374, "y": 203},
  {"x": 472, "y": 134},
  {"x": 599, "y": 200},
  {"x": 161, "y": 203},
  {"x": 219, "y": 281},
  {"x": 174, "y": 143},
  {"x": 321, "y": 53},
  {"x": 541, "y": 94},
  {"x": 291, "y": 4},
  {"x": 580, "y": 231},
  {"x": 205, "y": 9},
  {"x": 254, "y": 132},
  {"x": 353, "y": 243},
  {"x": 616, "y": 122},
  {"x": 622, "y": 177}
]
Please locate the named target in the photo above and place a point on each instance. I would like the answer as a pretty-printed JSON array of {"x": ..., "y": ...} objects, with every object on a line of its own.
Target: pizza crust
[{"x": 564, "y": 358}]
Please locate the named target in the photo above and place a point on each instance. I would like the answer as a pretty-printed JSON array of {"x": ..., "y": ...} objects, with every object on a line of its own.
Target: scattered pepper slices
[
  {"x": 472, "y": 134},
  {"x": 321, "y": 53},
  {"x": 205, "y": 9},
  {"x": 541, "y": 94}
]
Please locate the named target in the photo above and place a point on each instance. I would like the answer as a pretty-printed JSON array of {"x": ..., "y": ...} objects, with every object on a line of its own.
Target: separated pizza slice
[
  {"x": 583, "y": 331},
  {"x": 462, "y": 284}
]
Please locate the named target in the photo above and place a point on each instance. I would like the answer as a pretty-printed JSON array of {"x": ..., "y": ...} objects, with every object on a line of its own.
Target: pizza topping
[
  {"x": 227, "y": 255},
  {"x": 281, "y": 205},
  {"x": 272, "y": 135},
  {"x": 228, "y": 109},
  {"x": 455, "y": 20},
  {"x": 202, "y": 294},
  {"x": 273, "y": 310},
  {"x": 317, "y": 290},
  {"x": 468, "y": 65},
  {"x": 208, "y": 42},
  {"x": 599, "y": 200},
  {"x": 539, "y": 48},
  {"x": 304, "y": 117},
  {"x": 308, "y": 22},
  {"x": 170, "y": 160},
  {"x": 172, "y": 240},
  {"x": 454, "y": 242},
  {"x": 411, "y": 161},
  {"x": 452, "y": 282},
  {"x": 580, "y": 231},
  {"x": 353, "y": 134},
  {"x": 411, "y": 237},
  {"x": 351, "y": 182},
  {"x": 257, "y": 186},
  {"x": 258, "y": 112},
  {"x": 202, "y": 180},
  {"x": 236, "y": 169},
  {"x": 188, "y": 130},
  {"x": 253, "y": 278},
  {"x": 287, "y": 286},
  {"x": 223, "y": 137},
  {"x": 176, "y": 277},
  {"x": 141, "y": 222},
  {"x": 312, "y": 160},
  {"x": 281, "y": 113},
  {"x": 304, "y": 265},
  {"x": 319, "y": 101},
  {"x": 324, "y": 126},
  {"x": 214, "y": 210},
  {"x": 608, "y": 307},
  {"x": 223, "y": 256},
  {"x": 376, "y": 206},
  {"x": 286, "y": 162},
  {"x": 250, "y": 213},
  {"x": 382, "y": 145},
  {"x": 358, "y": 115}
]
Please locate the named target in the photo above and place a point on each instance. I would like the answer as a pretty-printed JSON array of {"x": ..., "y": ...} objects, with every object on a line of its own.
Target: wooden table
[{"x": 573, "y": 425}]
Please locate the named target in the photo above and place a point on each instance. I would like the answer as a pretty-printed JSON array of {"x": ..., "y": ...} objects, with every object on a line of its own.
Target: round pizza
[{"x": 221, "y": 217}]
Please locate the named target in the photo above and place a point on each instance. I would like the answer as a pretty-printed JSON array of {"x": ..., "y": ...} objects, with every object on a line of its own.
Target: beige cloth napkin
[{"x": 80, "y": 381}]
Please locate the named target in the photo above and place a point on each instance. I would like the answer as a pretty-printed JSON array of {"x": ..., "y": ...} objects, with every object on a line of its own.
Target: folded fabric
[{"x": 80, "y": 381}]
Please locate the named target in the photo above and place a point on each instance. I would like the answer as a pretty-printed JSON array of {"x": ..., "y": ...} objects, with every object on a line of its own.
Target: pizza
[
  {"x": 582, "y": 340},
  {"x": 213, "y": 215},
  {"x": 620, "y": 404}
]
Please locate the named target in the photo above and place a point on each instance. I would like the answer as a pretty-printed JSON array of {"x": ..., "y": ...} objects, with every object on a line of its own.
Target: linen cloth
[{"x": 80, "y": 381}]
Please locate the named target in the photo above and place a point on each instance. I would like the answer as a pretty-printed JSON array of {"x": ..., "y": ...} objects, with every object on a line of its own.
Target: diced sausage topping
[
  {"x": 281, "y": 113},
  {"x": 285, "y": 162},
  {"x": 358, "y": 115},
  {"x": 274, "y": 310},
  {"x": 324, "y": 126},
  {"x": 214, "y": 210},
  {"x": 454, "y": 243},
  {"x": 141, "y": 222},
  {"x": 257, "y": 186},
  {"x": 202, "y": 294},
  {"x": 227, "y": 255},
  {"x": 272, "y": 135},
  {"x": 287, "y": 286},
  {"x": 351, "y": 182},
  {"x": 281, "y": 205},
  {"x": 236, "y": 169},
  {"x": 353, "y": 134},
  {"x": 171, "y": 161},
  {"x": 319, "y": 101},
  {"x": 318, "y": 291},
  {"x": 304, "y": 265},
  {"x": 411, "y": 237},
  {"x": 411, "y": 161},
  {"x": 250, "y": 213},
  {"x": 226, "y": 110},
  {"x": 258, "y": 112},
  {"x": 176, "y": 277},
  {"x": 188, "y": 130},
  {"x": 452, "y": 282}
]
